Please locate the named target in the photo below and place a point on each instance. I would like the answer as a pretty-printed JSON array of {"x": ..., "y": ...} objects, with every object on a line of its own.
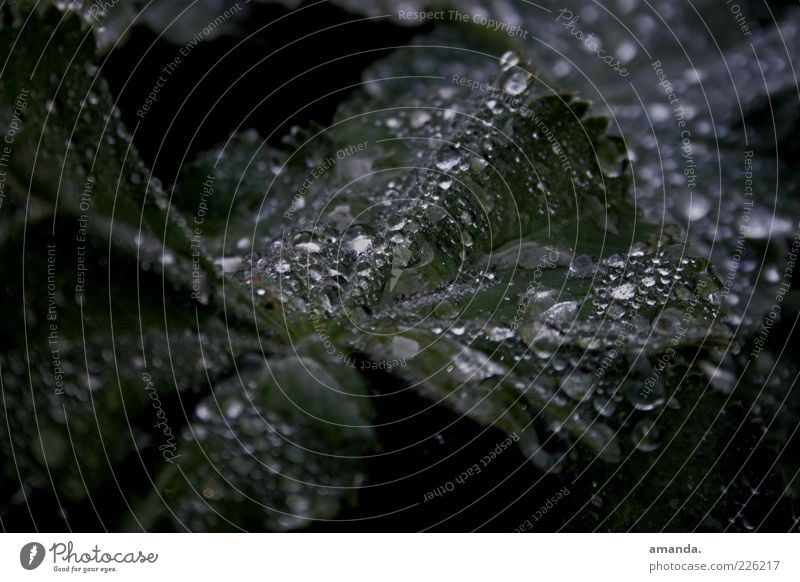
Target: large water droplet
[
  {"x": 645, "y": 395},
  {"x": 694, "y": 207},
  {"x": 578, "y": 386},
  {"x": 624, "y": 291}
]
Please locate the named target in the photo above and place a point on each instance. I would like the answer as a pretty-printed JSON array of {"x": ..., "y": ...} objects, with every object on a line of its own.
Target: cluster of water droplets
[
  {"x": 273, "y": 461},
  {"x": 393, "y": 233},
  {"x": 588, "y": 363}
]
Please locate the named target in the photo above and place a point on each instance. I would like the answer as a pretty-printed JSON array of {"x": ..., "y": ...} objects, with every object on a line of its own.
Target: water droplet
[
  {"x": 404, "y": 348},
  {"x": 358, "y": 243},
  {"x": 508, "y": 60},
  {"x": 203, "y": 412},
  {"x": 517, "y": 82},
  {"x": 578, "y": 386},
  {"x": 234, "y": 409},
  {"x": 645, "y": 395},
  {"x": 497, "y": 333},
  {"x": 626, "y": 51},
  {"x": 604, "y": 406},
  {"x": 478, "y": 164},
  {"x": 446, "y": 310},
  {"x": 419, "y": 118},
  {"x": 694, "y": 206},
  {"x": 616, "y": 261},
  {"x": 762, "y": 225},
  {"x": 658, "y": 112},
  {"x": 448, "y": 159},
  {"x": 396, "y": 223},
  {"x": 309, "y": 247},
  {"x": 624, "y": 291},
  {"x": 582, "y": 266},
  {"x": 645, "y": 436}
]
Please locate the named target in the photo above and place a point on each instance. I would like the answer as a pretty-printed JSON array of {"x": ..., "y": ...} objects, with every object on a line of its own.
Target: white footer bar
[{"x": 400, "y": 557}]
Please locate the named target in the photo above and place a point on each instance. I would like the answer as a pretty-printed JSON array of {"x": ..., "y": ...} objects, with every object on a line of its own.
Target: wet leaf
[{"x": 466, "y": 224}]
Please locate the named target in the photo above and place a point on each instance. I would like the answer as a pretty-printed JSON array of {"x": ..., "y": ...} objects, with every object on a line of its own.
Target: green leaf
[
  {"x": 432, "y": 207},
  {"x": 119, "y": 311},
  {"x": 281, "y": 445},
  {"x": 462, "y": 224}
]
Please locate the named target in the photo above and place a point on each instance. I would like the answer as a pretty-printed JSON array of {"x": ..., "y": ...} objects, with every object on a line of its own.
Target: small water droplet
[
  {"x": 517, "y": 82},
  {"x": 448, "y": 159},
  {"x": 645, "y": 436},
  {"x": 508, "y": 60},
  {"x": 419, "y": 118}
]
